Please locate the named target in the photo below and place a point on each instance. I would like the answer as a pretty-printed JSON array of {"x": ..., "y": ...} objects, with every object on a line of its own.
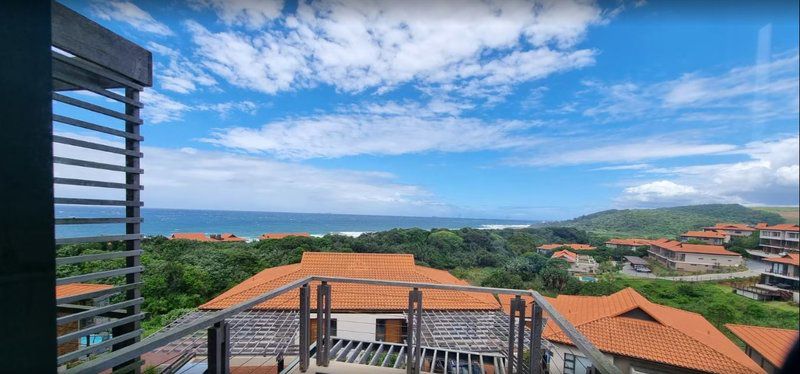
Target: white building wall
[
  {"x": 707, "y": 259},
  {"x": 359, "y": 326}
]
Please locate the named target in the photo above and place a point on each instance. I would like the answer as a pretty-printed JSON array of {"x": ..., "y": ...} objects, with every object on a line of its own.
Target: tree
[
  {"x": 503, "y": 279},
  {"x": 720, "y": 313},
  {"x": 555, "y": 278}
]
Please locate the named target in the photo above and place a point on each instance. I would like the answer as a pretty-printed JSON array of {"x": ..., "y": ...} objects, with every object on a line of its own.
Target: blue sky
[{"x": 525, "y": 110}]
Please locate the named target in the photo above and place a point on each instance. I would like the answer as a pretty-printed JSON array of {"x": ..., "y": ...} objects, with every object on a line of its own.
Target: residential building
[
  {"x": 692, "y": 257},
  {"x": 732, "y": 229},
  {"x": 227, "y": 237},
  {"x": 777, "y": 239},
  {"x": 281, "y": 235},
  {"x": 629, "y": 244},
  {"x": 581, "y": 264},
  {"x": 782, "y": 273},
  {"x": 639, "y": 336},
  {"x": 73, "y": 290},
  {"x": 201, "y": 237},
  {"x": 767, "y": 346},
  {"x": 708, "y": 237},
  {"x": 572, "y": 246}
]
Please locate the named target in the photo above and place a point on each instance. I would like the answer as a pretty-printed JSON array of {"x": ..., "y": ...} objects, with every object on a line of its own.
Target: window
[
  {"x": 313, "y": 329},
  {"x": 391, "y": 330},
  {"x": 576, "y": 364}
]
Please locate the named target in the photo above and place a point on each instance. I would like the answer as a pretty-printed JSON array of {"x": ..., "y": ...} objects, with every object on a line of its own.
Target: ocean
[{"x": 253, "y": 224}]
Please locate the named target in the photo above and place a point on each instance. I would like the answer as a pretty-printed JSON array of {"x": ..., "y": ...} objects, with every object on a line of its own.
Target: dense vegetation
[
  {"x": 790, "y": 214},
  {"x": 668, "y": 222}
]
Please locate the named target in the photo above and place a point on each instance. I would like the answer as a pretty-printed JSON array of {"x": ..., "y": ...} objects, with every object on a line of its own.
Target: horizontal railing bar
[
  {"x": 94, "y": 221},
  {"x": 95, "y": 165},
  {"x": 99, "y": 275},
  {"x": 452, "y": 287},
  {"x": 98, "y": 239},
  {"x": 76, "y": 201},
  {"x": 82, "y": 84},
  {"x": 97, "y": 347},
  {"x": 74, "y": 308},
  {"x": 96, "y": 257},
  {"x": 91, "y": 126},
  {"x": 95, "y": 146},
  {"x": 96, "y": 311},
  {"x": 95, "y": 108},
  {"x": 96, "y": 328},
  {"x": 98, "y": 293},
  {"x": 91, "y": 183},
  {"x": 105, "y": 73}
]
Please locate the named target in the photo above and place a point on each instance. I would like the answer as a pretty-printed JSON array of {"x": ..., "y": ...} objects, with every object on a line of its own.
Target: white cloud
[
  {"x": 624, "y": 167},
  {"x": 125, "y": 11},
  {"x": 193, "y": 178},
  {"x": 179, "y": 74},
  {"x": 390, "y": 129},
  {"x": 250, "y": 13},
  {"x": 769, "y": 176},
  {"x": 160, "y": 108},
  {"x": 485, "y": 46}
]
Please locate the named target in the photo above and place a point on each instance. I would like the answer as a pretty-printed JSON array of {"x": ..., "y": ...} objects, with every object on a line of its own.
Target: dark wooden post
[
  {"x": 536, "y": 339},
  {"x": 219, "y": 349},
  {"x": 323, "y": 323},
  {"x": 305, "y": 320},
  {"x": 520, "y": 333},
  {"x": 27, "y": 237},
  {"x": 414, "y": 332}
]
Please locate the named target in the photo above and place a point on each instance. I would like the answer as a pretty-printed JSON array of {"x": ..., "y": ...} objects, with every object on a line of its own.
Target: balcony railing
[{"x": 518, "y": 340}]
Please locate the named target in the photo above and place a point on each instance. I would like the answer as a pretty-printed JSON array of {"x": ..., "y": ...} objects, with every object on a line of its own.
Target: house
[
  {"x": 281, "y": 235},
  {"x": 227, "y": 237},
  {"x": 692, "y": 257},
  {"x": 73, "y": 290},
  {"x": 359, "y": 312},
  {"x": 767, "y": 346},
  {"x": 708, "y": 237},
  {"x": 783, "y": 273},
  {"x": 572, "y": 246},
  {"x": 639, "y": 336},
  {"x": 777, "y": 239},
  {"x": 581, "y": 264},
  {"x": 732, "y": 229},
  {"x": 629, "y": 244},
  {"x": 200, "y": 237},
  {"x": 637, "y": 264}
]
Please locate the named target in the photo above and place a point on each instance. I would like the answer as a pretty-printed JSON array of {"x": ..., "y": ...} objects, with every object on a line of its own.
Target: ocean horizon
[{"x": 251, "y": 224}]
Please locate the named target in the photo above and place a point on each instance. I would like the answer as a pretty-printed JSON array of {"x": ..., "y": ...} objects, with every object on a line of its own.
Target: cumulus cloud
[
  {"x": 768, "y": 176},
  {"x": 127, "y": 12},
  {"x": 250, "y": 13},
  {"x": 179, "y": 74},
  {"x": 160, "y": 108},
  {"x": 194, "y": 178},
  {"x": 390, "y": 129},
  {"x": 477, "y": 48}
]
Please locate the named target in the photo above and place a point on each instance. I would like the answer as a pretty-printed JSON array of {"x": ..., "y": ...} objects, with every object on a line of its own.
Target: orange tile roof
[
  {"x": 730, "y": 226},
  {"x": 228, "y": 237},
  {"x": 281, "y": 235},
  {"x": 566, "y": 255},
  {"x": 704, "y": 234},
  {"x": 671, "y": 336},
  {"x": 774, "y": 344},
  {"x": 573, "y": 246},
  {"x": 789, "y": 258},
  {"x": 631, "y": 242},
  {"x": 676, "y": 246},
  {"x": 75, "y": 289},
  {"x": 196, "y": 236},
  {"x": 355, "y": 297},
  {"x": 782, "y": 227}
]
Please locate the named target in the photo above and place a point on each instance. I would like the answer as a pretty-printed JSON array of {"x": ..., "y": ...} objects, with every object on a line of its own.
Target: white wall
[{"x": 358, "y": 326}]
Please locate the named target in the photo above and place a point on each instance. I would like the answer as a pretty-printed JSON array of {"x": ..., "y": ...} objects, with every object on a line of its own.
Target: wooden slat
[
  {"x": 98, "y": 311},
  {"x": 99, "y": 347},
  {"x": 98, "y": 293},
  {"x": 98, "y": 128},
  {"x": 98, "y": 275},
  {"x": 75, "y": 201},
  {"x": 98, "y": 71},
  {"x": 91, "y": 183},
  {"x": 95, "y": 146},
  {"x": 95, "y": 165},
  {"x": 75, "y": 335},
  {"x": 67, "y": 74},
  {"x": 96, "y": 257},
  {"x": 98, "y": 239},
  {"x": 95, "y": 108},
  {"x": 95, "y": 221},
  {"x": 88, "y": 40}
]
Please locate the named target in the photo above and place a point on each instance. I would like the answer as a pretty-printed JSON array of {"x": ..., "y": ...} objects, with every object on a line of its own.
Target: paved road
[{"x": 754, "y": 269}]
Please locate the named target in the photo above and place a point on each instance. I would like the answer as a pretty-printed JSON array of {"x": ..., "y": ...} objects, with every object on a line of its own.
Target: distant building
[
  {"x": 732, "y": 229},
  {"x": 73, "y": 290},
  {"x": 200, "y": 237},
  {"x": 227, "y": 237},
  {"x": 708, "y": 237},
  {"x": 572, "y": 246},
  {"x": 281, "y": 235},
  {"x": 629, "y": 244},
  {"x": 777, "y": 239},
  {"x": 784, "y": 273},
  {"x": 692, "y": 257},
  {"x": 639, "y": 335},
  {"x": 767, "y": 346},
  {"x": 582, "y": 264}
]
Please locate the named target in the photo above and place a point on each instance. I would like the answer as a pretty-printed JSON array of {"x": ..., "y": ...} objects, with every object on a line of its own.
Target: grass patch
[{"x": 472, "y": 275}]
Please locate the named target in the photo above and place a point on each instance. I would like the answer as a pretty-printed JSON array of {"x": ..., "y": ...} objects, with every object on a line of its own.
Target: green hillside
[
  {"x": 790, "y": 214},
  {"x": 667, "y": 222}
]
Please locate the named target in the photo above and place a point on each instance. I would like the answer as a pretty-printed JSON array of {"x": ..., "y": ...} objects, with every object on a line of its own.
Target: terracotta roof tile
[
  {"x": 789, "y": 258},
  {"x": 74, "y": 289},
  {"x": 677, "y": 246},
  {"x": 730, "y": 226},
  {"x": 704, "y": 234},
  {"x": 774, "y": 344},
  {"x": 631, "y": 242},
  {"x": 673, "y": 336},
  {"x": 782, "y": 227},
  {"x": 399, "y": 267},
  {"x": 566, "y": 255},
  {"x": 281, "y": 235},
  {"x": 196, "y": 236},
  {"x": 573, "y": 246}
]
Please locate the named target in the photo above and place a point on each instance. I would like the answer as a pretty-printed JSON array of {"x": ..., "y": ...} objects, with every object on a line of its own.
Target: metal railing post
[
  {"x": 511, "y": 331},
  {"x": 418, "y": 334},
  {"x": 536, "y": 339},
  {"x": 219, "y": 348},
  {"x": 520, "y": 334},
  {"x": 305, "y": 319},
  {"x": 328, "y": 333},
  {"x": 414, "y": 332},
  {"x": 323, "y": 323}
]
